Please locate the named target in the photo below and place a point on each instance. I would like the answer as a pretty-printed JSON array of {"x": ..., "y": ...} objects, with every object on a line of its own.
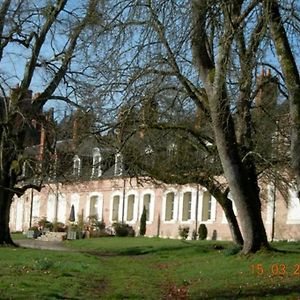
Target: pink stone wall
[{"x": 106, "y": 188}]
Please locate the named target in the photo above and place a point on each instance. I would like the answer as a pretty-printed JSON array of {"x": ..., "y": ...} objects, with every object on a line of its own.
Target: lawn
[{"x": 148, "y": 268}]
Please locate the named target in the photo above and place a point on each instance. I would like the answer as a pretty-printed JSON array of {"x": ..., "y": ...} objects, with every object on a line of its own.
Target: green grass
[{"x": 148, "y": 268}]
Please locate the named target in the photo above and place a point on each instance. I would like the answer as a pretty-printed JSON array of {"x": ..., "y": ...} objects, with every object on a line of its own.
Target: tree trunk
[
  {"x": 243, "y": 184},
  {"x": 232, "y": 221},
  {"x": 6, "y": 198}
]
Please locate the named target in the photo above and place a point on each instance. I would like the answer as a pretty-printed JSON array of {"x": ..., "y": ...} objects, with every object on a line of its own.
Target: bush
[
  {"x": 44, "y": 223},
  {"x": 95, "y": 224},
  {"x": 143, "y": 222},
  {"x": 202, "y": 231},
  {"x": 184, "y": 232},
  {"x": 194, "y": 235},
  {"x": 123, "y": 229},
  {"x": 59, "y": 227}
]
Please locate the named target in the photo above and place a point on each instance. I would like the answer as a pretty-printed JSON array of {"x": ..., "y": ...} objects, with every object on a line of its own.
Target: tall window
[
  {"x": 118, "y": 164},
  {"x": 96, "y": 170},
  {"x": 94, "y": 206},
  {"x": 146, "y": 204},
  {"x": 293, "y": 215},
  {"x": 206, "y": 206},
  {"x": 115, "y": 208},
  {"x": 76, "y": 166},
  {"x": 186, "y": 206},
  {"x": 130, "y": 207},
  {"x": 170, "y": 201}
]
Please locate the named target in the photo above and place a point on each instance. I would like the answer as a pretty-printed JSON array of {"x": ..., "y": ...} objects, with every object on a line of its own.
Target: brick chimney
[
  {"x": 75, "y": 134},
  {"x": 42, "y": 143}
]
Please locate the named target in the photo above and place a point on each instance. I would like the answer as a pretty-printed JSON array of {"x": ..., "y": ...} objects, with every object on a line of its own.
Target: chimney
[
  {"x": 42, "y": 143},
  {"x": 75, "y": 134}
]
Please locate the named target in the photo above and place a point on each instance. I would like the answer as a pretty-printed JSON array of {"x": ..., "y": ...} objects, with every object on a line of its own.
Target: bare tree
[
  {"x": 287, "y": 60},
  {"x": 41, "y": 45},
  {"x": 196, "y": 63}
]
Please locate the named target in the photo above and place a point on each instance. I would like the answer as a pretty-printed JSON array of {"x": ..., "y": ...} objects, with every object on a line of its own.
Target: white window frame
[
  {"x": 135, "y": 207},
  {"x": 75, "y": 199},
  {"x": 175, "y": 208},
  {"x": 36, "y": 204},
  {"x": 213, "y": 208},
  {"x": 193, "y": 192},
  {"x": 61, "y": 208},
  {"x": 51, "y": 203},
  {"x": 96, "y": 170},
  {"x": 293, "y": 212},
  {"x": 76, "y": 170},
  {"x": 120, "y": 194},
  {"x": 118, "y": 164},
  {"x": 99, "y": 205},
  {"x": 151, "y": 206}
]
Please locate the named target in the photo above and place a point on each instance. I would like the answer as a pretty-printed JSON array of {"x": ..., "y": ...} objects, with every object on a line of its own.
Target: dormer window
[
  {"x": 118, "y": 164},
  {"x": 148, "y": 150},
  {"x": 96, "y": 170},
  {"x": 76, "y": 166},
  {"x": 172, "y": 149}
]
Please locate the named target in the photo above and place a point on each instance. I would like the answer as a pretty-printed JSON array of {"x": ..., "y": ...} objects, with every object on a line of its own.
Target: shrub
[
  {"x": 123, "y": 229},
  {"x": 143, "y": 222},
  {"x": 44, "y": 223},
  {"x": 95, "y": 224},
  {"x": 194, "y": 235},
  {"x": 202, "y": 231},
  {"x": 184, "y": 232},
  {"x": 59, "y": 227}
]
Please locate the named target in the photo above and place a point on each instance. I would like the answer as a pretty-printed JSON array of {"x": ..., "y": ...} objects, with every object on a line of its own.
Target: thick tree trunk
[
  {"x": 239, "y": 174},
  {"x": 243, "y": 184},
  {"x": 5, "y": 204}
]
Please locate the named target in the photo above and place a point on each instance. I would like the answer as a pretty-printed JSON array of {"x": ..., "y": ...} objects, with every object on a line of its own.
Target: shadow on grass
[
  {"x": 144, "y": 250},
  {"x": 251, "y": 293}
]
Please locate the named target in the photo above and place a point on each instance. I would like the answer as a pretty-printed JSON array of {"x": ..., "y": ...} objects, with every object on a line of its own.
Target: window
[
  {"x": 61, "y": 208},
  {"x": 96, "y": 170},
  {"x": 75, "y": 202},
  {"x": 118, "y": 164},
  {"x": 146, "y": 204},
  {"x": 130, "y": 207},
  {"x": 51, "y": 208},
  {"x": 206, "y": 206},
  {"x": 35, "y": 207},
  {"x": 186, "y": 206},
  {"x": 76, "y": 166},
  {"x": 115, "y": 208},
  {"x": 170, "y": 202},
  {"x": 293, "y": 215},
  {"x": 94, "y": 206}
]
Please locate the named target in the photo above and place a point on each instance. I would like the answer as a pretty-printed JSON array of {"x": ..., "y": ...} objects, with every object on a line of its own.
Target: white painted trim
[
  {"x": 193, "y": 204},
  {"x": 175, "y": 209},
  {"x": 36, "y": 204},
  {"x": 51, "y": 207},
  {"x": 212, "y": 209},
  {"x": 135, "y": 206},
  {"x": 152, "y": 204},
  {"x": 293, "y": 213},
  {"x": 75, "y": 199},
  {"x": 120, "y": 194},
  {"x": 61, "y": 208},
  {"x": 99, "y": 203}
]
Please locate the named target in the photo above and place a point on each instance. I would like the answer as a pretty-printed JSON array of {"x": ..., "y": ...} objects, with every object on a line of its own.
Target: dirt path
[{"x": 45, "y": 245}]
